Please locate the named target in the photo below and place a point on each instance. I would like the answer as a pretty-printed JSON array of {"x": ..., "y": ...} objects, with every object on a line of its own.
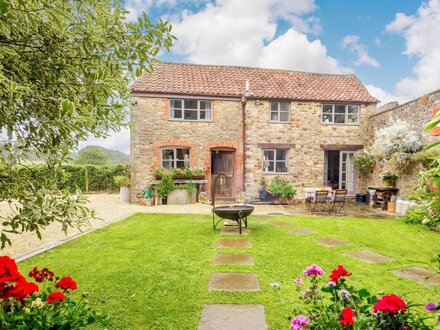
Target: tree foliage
[
  {"x": 91, "y": 156},
  {"x": 65, "y": 67}
]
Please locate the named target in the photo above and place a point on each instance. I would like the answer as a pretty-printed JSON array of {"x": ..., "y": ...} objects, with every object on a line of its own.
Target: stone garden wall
[{"x": 417, "y": 113}]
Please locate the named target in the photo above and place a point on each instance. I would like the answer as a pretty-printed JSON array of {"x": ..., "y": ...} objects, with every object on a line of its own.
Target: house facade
[{"x": 250, "y": 124}]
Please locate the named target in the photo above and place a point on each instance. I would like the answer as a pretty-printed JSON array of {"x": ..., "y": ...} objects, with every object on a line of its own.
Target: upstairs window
[
  {"x": 340, "y": 114},
  {"x": 192, "y": 110},
  {"x": 175, "y": 157},
  {"x": 280, "y": 112},
  {"x": 275, "y": 161}
]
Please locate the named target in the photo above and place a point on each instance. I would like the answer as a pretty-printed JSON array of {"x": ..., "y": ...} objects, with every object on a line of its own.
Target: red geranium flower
[
  {"x": 66, "y": 283},
  {"x": 390, "y": 304},
  {"x": 23, "y": 288},
  {"x": 347, "y": 317},
  {"x": 337, "y": 273},
  {"x": 8, "y": 275},
  {"x": 41, "y": 276},
  {"x": 55, "y": 296}
]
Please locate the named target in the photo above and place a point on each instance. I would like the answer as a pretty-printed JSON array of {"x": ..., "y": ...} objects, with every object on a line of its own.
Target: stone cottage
[{"x": 249, "y": 123}]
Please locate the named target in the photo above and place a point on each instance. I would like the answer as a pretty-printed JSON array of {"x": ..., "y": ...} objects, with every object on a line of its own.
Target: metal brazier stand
[{"x": 237, "y": 213}]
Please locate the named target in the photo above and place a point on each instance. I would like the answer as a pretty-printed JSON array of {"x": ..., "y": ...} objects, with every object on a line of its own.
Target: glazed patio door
[{"x": 347, "y": 176}]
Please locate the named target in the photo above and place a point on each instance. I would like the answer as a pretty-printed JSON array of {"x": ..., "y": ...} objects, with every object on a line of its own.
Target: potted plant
[
  {"x": 282, "y": 188},
  {"x": 165, "y": 186},
  {"x": 388, "y": 179},
  {"x": 183, "y": 194},
  {"x": 363, "y": 163},
  {"x": 124, "y": 182}
]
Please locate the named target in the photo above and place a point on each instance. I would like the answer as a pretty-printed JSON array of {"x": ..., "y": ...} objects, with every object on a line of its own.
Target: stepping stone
[
  {"x": 233, "y": 259},
  {"x": 234, "y": 282},
  {"x": 233, "y": 317},
  {"x": 369, "y": 256},
  {"x": 275, "y": 213},
  {"x": 233, "y": 232},
  {"x": 418, "y": 274},
  {"x": 302, "y": 232},
  {"x": 234, "y": 243},
  {"x": 331, "y": 242},
  {"x": 282, "y": 224}
]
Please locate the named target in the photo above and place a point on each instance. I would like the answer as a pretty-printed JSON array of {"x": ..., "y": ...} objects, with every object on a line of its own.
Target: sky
[{"x": 392, "y": 46}]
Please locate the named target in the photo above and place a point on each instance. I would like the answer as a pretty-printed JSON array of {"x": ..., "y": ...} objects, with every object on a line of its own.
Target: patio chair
[
  {"x": 319, "y": 203},
  {"x": 337, "y": 202}
]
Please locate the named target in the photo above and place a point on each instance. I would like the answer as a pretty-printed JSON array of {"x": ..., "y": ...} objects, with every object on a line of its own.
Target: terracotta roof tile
[{"x": 229, "y": 81}]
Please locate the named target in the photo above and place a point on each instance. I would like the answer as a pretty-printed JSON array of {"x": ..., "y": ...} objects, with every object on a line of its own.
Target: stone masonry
[
  {"x": 417, "y": 113},
  {"x": 305, "y": 135}
]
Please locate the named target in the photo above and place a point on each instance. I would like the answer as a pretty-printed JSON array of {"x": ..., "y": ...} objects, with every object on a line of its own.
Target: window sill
[
  {"x": 279, "y": 122},
  {"x": 341, "y": 124},
  {"x": 190, "y": 121}
]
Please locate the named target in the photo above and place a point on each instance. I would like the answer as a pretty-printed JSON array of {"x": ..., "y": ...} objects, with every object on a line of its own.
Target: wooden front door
[{"x": 223, "y": 162}]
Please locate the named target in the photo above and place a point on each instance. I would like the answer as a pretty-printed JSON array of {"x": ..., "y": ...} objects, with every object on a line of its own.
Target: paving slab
[
  {"x": 233, "y": 317},
  {"x": 282, "y": 224},
  {"x": 369, "y": 256},
  {"x": 233, "y": 232},
  {"x": 234, "y": 282},
  {"x": 302, "y": 232},
  {"x": 418, "y": 274},
  {"x": 233, "y": 259},
  {"x": 331, "y": 242},
  {"x": 234, "y": 243}
]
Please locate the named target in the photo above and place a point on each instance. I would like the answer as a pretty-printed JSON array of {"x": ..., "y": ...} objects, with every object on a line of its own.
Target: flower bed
[
  {"x": 338, "y": 305},
  {"x": 25, "y": 305}
]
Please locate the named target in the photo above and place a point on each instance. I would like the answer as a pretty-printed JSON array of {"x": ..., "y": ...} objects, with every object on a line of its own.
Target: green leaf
[{"x": 4, "y": 7}]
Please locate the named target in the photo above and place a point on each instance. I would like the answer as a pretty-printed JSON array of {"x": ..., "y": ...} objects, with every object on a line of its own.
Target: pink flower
[
  {"x": 313, "y": 270},
  {"x": 298, "y": 281},
  {"x": 300, "y": 322}
]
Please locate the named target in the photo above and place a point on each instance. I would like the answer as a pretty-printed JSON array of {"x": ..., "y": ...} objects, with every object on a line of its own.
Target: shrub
[
  {"x": 165, "y": 186},
  {"x": 25, "y": 305},
  {"x": 282, "y": 187},
  {"x": 122, "y": 180}
]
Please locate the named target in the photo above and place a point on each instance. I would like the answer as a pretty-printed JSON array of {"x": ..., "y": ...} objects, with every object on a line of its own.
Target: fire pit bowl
[
  {"x": 237, "y": 213},
  {"x": 233, "y": 212}
]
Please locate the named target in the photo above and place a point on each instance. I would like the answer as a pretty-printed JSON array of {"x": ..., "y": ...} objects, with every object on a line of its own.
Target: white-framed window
[
  {"x": 275, "y": 161},
  {"x": 191, "y": 109},
  {"x": 279, "y": 112},
  {"x": 175, "y": 157},
  {"x": 340, "y": 114}
]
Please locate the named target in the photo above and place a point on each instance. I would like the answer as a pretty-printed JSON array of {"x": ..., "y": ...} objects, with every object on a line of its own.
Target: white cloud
[
  {"x": 236, "y": 33},
  {"x": 352, "y": 43},
  {"x": 136, "y": 7},
  {"x": 383, "y": 96},
  {"x": 421, "y": 33}
]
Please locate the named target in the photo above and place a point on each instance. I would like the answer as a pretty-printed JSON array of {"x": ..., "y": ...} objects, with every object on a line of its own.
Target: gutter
[{"x": 243, "y": 120}]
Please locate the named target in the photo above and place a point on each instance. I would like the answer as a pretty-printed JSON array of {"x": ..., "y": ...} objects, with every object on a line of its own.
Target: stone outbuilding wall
[
  {"x": 417, "y": 113},
  {"x": 305, "y": 137}
]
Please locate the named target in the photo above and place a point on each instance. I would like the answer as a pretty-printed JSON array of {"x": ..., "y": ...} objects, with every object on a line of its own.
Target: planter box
[
  {"x": 124, "y": 194},
  {"x": 181, "y": 197}
]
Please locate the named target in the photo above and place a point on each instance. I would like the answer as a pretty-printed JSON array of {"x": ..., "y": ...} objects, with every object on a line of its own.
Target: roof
[{"x": 229, "y": 81}]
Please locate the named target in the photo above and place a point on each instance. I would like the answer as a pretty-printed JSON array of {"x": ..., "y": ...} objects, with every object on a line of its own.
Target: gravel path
[{"x": 110, "y": 209}]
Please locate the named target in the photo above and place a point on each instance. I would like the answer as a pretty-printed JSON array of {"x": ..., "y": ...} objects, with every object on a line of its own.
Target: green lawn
[{"x": 152, "y": 271}]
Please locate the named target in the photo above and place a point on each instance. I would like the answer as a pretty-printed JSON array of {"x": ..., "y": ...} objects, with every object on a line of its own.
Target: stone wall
[
  {"x": 307, "y": 136},
  {"x": 152, "y": 130},
  {"x": 417, "y": 113}
]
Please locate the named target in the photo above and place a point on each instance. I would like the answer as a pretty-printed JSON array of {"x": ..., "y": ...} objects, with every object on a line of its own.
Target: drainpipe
[{"x": 243, "y": 120}]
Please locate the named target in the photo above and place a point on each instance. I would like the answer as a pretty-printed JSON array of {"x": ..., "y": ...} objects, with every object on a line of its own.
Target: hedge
[{"x": 88, "y": 178}]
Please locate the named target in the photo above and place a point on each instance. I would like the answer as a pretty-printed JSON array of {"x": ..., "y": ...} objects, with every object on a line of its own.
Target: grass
[{"x": 152, "y": 271}]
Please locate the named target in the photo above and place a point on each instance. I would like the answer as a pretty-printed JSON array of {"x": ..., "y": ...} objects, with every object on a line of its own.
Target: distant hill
[{"x": 114, "y": 156}]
